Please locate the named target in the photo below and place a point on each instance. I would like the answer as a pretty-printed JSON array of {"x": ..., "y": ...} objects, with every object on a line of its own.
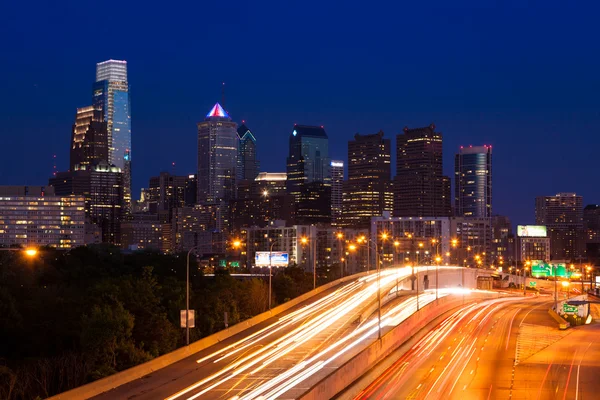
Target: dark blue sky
[{"x": 521, "y": 76}]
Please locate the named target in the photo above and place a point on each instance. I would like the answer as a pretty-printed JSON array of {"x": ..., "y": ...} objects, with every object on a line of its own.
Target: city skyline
[{"x": 489, "y": 86}]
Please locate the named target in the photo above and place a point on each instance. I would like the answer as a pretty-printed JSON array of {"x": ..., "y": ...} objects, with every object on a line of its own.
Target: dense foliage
[{"x": 67, "y": 318}]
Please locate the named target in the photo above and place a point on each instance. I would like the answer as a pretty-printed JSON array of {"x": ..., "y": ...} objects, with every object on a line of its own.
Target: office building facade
[
  {"x": 367, "y": 192},
  {"x": 420, "y": 188},
  {"x": 89, "y": 140},
  {"x": 562, "y": 214},
  {"x": 308, "y": 159},
  {"x": 337, "y": 188},
  {"x": 473, "y": 182},
  {"x": 248, "y": 165},
  {"x": 102, "y": 187},
  {"x": 141, "y": 231},
  {"x": 38, "y": 220},
  {"x": 111, "y": 97},
  {"x": 217, "y": 157}
]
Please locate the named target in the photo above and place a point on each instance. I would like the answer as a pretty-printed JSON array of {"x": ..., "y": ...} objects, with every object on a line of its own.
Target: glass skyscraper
[
  {"x": 473, "y": 182},
  {"x": 308, "y": 159},
  {"x": 218, "y": 143},
  {"x": 111, "y": 96},
  {"x": 247, "y": 161}
]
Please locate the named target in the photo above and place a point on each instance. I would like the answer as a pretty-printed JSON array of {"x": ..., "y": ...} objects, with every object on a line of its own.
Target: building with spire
[
  {"x": 248, "y": 165},
  {"x": 218, "y": 147},
  {"x": 111, "y": 97}
]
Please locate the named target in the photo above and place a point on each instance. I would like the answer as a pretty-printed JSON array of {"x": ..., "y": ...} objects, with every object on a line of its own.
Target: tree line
[{"x": 68, "y": 318}]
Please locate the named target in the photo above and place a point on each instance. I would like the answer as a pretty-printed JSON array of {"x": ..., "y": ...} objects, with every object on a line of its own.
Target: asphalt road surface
[{"x": 498, "y": 349}]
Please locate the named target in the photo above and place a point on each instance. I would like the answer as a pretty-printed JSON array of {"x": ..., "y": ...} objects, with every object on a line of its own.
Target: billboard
[
  {"x": 531, "y": 230},
  {"x": 278, "y": 259},
  {"x": 544, "y": 270}
]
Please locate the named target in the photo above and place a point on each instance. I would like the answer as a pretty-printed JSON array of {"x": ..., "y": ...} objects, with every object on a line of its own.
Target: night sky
[{"x": 521, "y": 76}]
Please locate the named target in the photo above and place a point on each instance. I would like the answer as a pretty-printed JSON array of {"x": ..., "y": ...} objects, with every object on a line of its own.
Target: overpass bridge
[{"x": 286, "y": 352}]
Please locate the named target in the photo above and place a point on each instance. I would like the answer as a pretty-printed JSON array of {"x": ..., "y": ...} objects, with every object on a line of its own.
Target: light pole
[
  {"x": 525, "y": 268},
  {"x": 304, "y": 240},
  {"x": 236, "y": 244},
  {"x": 28, "y": 251},
  {"x": 396, "y": 244},
  {"x": 437, "y": 267},
  {"x": 367, "y": 243},
  {"x": 187, "y": 298},
  {"x": 339, "y": 237},
  {"x": 270, "y": 269}
]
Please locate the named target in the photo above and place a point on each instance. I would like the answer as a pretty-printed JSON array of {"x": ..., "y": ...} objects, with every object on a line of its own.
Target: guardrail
[{"x": 120, "y": 378}]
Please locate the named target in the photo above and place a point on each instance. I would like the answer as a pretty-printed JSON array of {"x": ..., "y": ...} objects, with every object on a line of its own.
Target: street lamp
[
  {"x": 28, "y": 251},
  {"x": 235, "y": 244},
  {"x": 304, "y": 240},
  {"x": 339, "y": 237},
  {"x": 437, "y": 266}
]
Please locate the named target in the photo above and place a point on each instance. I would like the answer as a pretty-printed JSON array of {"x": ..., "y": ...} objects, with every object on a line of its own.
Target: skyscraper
[
  {"x": 111, "y": 97},
  {"x": 563, "y": 216},
  {"x": 217, "y": 157},
  {"x": 309, "y": 174},
  {"x": 102, "y": 187},
  {"x": 473, "y": 182},
  {"x": 337, "y": 183},
  {"x": 367, "y": 192},
  {"x": 248, "y": 166},
  {"x": 308, "y": 158},
  {"x": 89, "y": 141},
  {"x": 421, "y": 189}
]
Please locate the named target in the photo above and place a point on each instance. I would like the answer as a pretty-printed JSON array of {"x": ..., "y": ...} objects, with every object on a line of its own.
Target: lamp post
[
  {"x": 367, "y": 243},
  {"x": 396, "y": 244},
  {"x": 28, "y": 251},
  {"x": 236, "y": 244},
  {"x": 270, "y": 269},
  {"x": 304, "y": 240},
  {"x": 437, "y": 267},
  {"x": 339, "y": 237}
]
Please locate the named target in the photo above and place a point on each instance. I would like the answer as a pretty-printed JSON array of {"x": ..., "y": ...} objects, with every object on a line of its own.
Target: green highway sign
[
  {"x": 541, "y": 269},
  {"x": 532, "y": 283},
  {"x": 567, "y": 309},
  {"x": 235, "y": 263}
]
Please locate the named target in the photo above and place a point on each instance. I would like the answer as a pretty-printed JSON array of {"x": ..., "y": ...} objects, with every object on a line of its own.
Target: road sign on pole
[
  {"x": 192, "y": 318},
  {"x": 532, "y": 283},
  {"x": 568, "y": 309}
]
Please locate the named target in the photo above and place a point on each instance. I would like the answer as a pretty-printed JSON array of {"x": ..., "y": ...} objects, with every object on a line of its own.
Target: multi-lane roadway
[
  {"x": 497, "y": 349},
  {"x": 286, "y": 355}
]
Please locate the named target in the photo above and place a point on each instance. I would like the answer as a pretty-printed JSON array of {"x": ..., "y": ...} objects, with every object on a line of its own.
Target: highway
[
  {"x": 286, "y": 355},
  {"x": 498, "y": 349}
]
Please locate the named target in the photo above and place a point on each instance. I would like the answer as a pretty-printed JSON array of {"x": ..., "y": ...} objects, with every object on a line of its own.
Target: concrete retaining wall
[
  {"x": 354, "y": 368},
  {"x": 110, "y": 382}
]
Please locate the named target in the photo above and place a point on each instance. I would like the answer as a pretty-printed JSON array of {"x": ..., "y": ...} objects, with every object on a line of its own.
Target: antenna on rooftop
[{"x": 223, "y": 95}]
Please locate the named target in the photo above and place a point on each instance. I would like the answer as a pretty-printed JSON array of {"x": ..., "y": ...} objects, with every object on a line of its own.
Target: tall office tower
[
  {"x": 248, "y": 166},
  {"x": 308, "y": 159},
  {"x": 89, "y": 141},
  {"x": 217, "y": 156},
  {"x": 563, "y": 216},
  {"x": 111, "y": 96},
  {"x": 102, "y": 187},
  {"x": 421, "y": 189},
  {"x": 367, "y": 192},
  {"x": 337, "y": 183},
  {"x": 473, "y": 182},
  {"x": 591, "y": 224},
  {"x": 501, "y": 232}
]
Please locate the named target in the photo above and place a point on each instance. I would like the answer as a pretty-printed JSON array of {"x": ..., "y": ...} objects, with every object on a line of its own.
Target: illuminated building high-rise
[
  {"x": 111, "y": 97},
  {"x": 337, "y": 183},
  {"x": 248, "y": 166},
  {"x": 89, "y": 141},
  {"x": 218, "y": 143},
  {"x": 562, "y": 214},
  {"x": 421, "y": 189},
  {"x": 308, "y": 159},
  {"x": 473, "y": 182},
  {"x": 367, "y": 192}
]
